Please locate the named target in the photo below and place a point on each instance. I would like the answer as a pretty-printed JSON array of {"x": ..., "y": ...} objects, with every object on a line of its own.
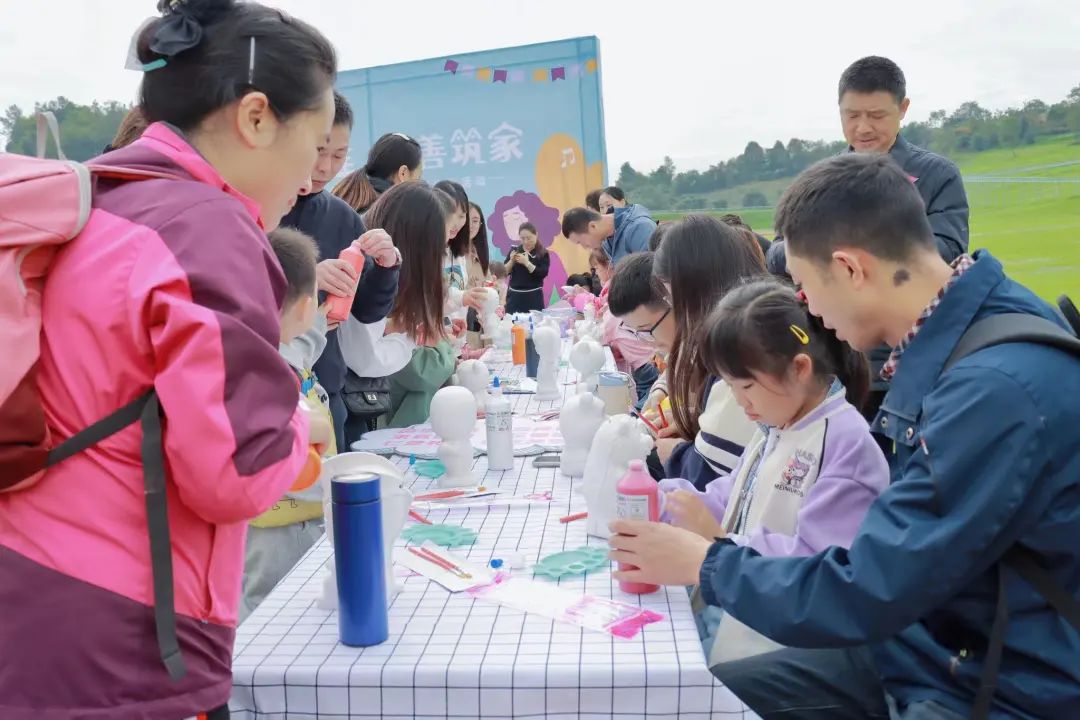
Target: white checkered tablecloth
[{"x": 449, "y": 656}]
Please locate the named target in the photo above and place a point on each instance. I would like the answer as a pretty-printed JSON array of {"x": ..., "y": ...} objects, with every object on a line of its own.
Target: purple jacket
[{"x": 807, "y": 487}]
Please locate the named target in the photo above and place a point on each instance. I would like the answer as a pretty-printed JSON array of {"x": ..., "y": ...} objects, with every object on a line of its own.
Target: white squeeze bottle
[{"x": 500, "y": 429}]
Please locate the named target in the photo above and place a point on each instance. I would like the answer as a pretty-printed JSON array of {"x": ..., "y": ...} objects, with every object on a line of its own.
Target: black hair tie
[{"x": 176, "y": 32}]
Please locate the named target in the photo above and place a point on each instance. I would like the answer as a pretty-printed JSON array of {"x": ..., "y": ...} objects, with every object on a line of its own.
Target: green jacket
[{"x": 413, "y": 386}]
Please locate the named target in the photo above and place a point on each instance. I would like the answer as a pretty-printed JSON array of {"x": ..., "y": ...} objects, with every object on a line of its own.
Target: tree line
[
  {"x": 85, "y": 130},
  {"x": 969, "y": 128}
]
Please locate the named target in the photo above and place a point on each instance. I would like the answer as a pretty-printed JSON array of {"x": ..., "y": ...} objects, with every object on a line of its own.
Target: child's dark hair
[
  {"x": 298, "y": 255},
  {"x": 599, "y": 258},
  {"x": 480, "y": 242},
  {"x": 414, "y": 215},
  {"x": 760, "y": 327},
  {"x": 540, "y": 251},
  {"x": 580, "y": 280},
  {"x": 203, "y": 49},
  {"x": 498, "y": 269},
  {"x": 459, "y": 244},
  {"x": 658, "y": 234}
]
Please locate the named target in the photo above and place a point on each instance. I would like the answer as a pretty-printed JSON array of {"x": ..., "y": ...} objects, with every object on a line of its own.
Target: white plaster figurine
[
  {"x": 453, "y": 418},
  {"x": 618, "y": 441},
  {"x": 580, "y": 418},
  {"x": 587, "y": 357},
  {"x": 488, "y": 319},
  {"x": 473, "y": 375},
  {"x": 395, "y": 499},
  {"x": 547, "y": 343}
]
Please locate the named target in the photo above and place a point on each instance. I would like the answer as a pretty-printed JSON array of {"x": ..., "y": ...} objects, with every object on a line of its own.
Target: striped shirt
[{"x": 724, "y": 429}]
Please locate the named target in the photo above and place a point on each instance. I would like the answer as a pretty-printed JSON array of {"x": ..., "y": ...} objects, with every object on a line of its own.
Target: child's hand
[
  {"x": 688, "y": 511},
  {"x": 652, "y": 402},
  {"x": 331, "y": 325},
  {"x": 669, "y": 431},
  {"x": 320, "y": 429},
  {"x": 665, "y": 446},
  {"x": 457, "y": 328},
  {"x": 336, "y": 277},
  {"x": 379, "y": 245}
]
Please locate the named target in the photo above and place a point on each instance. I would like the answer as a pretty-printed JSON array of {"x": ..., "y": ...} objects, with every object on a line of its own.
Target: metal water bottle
[{"x": 359, "y": 559}]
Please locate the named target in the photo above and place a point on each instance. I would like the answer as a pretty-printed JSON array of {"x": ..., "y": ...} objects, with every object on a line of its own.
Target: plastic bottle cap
[
  {"x": 496, "y": 563},
  {"x": 496, "y": 383},
  {"x": 637, "y": 465}
]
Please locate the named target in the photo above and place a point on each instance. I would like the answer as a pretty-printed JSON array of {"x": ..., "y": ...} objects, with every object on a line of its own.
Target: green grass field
[{"x": 1034, "y": 229}]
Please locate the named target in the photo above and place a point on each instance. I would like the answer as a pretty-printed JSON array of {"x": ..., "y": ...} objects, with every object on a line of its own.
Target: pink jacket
[{"x": 172, "y": 284}]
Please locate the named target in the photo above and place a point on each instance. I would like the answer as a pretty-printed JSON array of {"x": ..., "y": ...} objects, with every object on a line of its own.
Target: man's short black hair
[
  {"x": 874, "y": 74},
  {"x": 576, "y": 220},
  {"x": 854, "y": 200},
  {"x": 298, "y": 255},
  {"x": 342, "y": 111},
  {"x": 633, "y": 285}
]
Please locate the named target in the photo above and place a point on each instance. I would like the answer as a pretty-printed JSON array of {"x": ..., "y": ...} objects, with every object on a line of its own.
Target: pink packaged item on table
[{"x": 615, "y": 618}]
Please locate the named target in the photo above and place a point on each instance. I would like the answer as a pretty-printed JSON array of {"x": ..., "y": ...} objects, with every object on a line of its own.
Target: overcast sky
[{"x": 693, "y": 79}]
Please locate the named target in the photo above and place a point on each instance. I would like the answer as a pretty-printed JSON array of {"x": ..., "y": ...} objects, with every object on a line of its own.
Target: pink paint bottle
[
  {"x": 340, "y": 306},
  {"x": 637, "y": 498}
]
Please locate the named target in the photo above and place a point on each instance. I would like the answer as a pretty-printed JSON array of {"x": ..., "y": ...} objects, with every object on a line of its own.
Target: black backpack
[{"x": 999, "y": 330}]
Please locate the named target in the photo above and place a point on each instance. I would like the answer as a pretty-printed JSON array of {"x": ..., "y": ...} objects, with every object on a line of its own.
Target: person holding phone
[{"x": 528, "y": 265}]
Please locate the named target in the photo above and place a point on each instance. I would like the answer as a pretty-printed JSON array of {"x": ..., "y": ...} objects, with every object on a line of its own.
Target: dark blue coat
[{"x": 988, "y": 456}]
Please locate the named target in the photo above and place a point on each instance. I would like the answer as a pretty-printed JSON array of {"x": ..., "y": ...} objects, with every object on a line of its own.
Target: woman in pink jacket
[{"x": 172, "y": 286}]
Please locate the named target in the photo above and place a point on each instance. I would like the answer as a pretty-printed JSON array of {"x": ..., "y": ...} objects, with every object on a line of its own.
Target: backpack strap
[
  {"x": 1012, "y": 328},
  {"x": 146, "y": 409},
  {"x": 157, "y": 519},
  {"x": 90, "y": 436},
  {"x": 988, "y": 332},
  {"x": 47, "y": 126},
  {"x": 1025, "y": 563}
]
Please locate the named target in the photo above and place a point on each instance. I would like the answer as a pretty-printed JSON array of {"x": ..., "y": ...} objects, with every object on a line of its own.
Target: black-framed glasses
[{"x": 648, "y": 334}]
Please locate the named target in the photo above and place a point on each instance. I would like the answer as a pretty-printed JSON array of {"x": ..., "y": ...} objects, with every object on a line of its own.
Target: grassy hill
[{"x": 1034, "y": 228}]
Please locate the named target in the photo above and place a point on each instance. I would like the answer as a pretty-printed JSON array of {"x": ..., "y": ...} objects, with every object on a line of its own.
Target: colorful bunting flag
[{"x": 501, "y": 75}]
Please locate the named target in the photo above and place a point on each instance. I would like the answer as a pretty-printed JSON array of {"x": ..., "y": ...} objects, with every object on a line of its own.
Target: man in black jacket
[
  {"x": 335, "y": 226},
  {"x": 873, "y": 101}
]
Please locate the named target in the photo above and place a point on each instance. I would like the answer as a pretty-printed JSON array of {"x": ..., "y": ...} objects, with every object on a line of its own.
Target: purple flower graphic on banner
[
  {"x": 500, "y": 76},
  {"x": 558, "y": 73},
  {"x": 506, "y": 219}
]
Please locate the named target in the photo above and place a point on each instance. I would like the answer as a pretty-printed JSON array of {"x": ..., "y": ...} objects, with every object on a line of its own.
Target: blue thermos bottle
[{"x": 359, "y": 559}]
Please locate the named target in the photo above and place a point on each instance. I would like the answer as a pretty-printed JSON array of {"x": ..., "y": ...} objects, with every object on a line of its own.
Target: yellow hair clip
[{"x": 800, "y": 334}]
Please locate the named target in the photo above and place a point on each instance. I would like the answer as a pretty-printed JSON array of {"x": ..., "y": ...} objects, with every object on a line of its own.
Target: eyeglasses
[{"x": 648, "y": 334}]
